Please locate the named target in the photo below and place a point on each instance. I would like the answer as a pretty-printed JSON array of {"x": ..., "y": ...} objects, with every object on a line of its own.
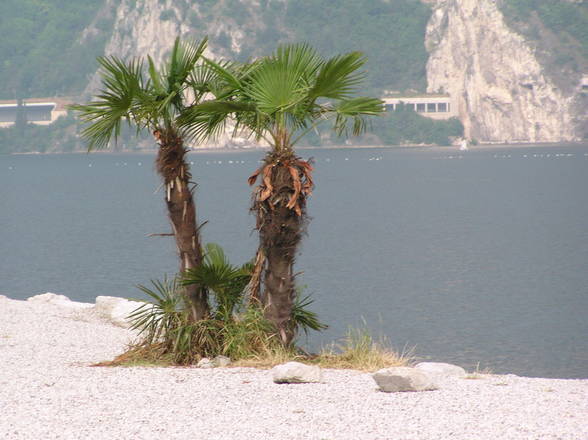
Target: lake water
[{"x": 471, "y": 257}]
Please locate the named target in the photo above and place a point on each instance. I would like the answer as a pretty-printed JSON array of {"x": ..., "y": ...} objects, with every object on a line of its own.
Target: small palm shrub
[
  {"x": 234, "y": 328},
  {"x": 220, "y": 278}
]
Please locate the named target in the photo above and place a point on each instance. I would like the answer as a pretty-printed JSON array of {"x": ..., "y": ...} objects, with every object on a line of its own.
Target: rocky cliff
[
  {"x": 150, "y": 26},
  {"x": 501, "y": 90},
  {"x": 499, "y": 84}
]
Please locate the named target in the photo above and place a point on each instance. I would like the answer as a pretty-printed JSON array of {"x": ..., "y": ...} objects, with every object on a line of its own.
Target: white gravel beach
[{"x": 48, "y": 390}]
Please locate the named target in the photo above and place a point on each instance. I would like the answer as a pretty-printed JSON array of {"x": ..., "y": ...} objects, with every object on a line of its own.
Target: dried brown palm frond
[
  {"x": 252, "y": 290},
  {"x": 291, "y": 186}
]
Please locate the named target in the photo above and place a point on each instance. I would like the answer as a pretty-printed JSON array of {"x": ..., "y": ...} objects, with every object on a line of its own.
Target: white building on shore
[
  {"x": 435, "y": 106},
  {"x": 40, "y": 111}
]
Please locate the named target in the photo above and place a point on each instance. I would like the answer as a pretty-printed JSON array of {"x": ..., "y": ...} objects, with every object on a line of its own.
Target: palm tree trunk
[
  {"x": 279, "y": 205},
  {"x": 174, "y": 170},
  {"x": 279, "y": 294}
]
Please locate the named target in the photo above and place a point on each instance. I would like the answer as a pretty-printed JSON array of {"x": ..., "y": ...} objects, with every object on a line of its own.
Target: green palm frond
[
  {"x": 122, "y": 83},
  {"x": 162, "y": 313},
  {"x": 282, "y": 97},
  {"x": 339, "y": 76},
  {"x": 155, "y": 78},
  {"x": 206, "y": 80},
  {"x": 281, "y": 82},
  {"x": 181, "y": 63},
  {"x": 153, "y": 101},
  {"x": 219, "y": 276},
  {"x": 225, "y": 72},
  {"x": 208, "y": 120},
  {"x": 355, "y": 110},
  {"x": 300, "y": 58},
  {"x": 304, "y": 318}
]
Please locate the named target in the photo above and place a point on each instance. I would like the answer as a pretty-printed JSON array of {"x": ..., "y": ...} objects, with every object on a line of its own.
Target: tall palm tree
[
  {"x": 279, "y": 99},
  {"x": 139, "y": 93}
]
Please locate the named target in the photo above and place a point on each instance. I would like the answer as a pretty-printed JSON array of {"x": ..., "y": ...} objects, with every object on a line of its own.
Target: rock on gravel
[
  {"x": 221, "y": 361},
  {"x": 116, "y": 310},
  {"x": 440, "y": 370},
  {"x": 48, "y": 390},
  {"x": 296, "y": 372},
  {"x": 59, "y": 300},
  {"x": 205, "y": 363},
  {"x": 402, "y": 379}
]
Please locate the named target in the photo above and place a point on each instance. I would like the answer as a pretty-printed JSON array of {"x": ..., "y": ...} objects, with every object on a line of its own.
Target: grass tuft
[
  {"x": 249, "y": 342},
  {"x": 359, "y": 351},
  {"x": 479, "y": 373}
]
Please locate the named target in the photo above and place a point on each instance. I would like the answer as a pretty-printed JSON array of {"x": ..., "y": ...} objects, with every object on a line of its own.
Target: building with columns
[{"x": 435, "y": 106}]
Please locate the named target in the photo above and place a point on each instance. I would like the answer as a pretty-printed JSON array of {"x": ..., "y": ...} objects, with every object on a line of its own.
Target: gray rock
[
  {"x": 441, "y": 369},
  {"x": 296, "y": 372},
  {"x": 58, "y": 300},
  {"x": 116, "y": 310},
  {"x": 221, "y": 361},
  {"x": 205, "y": 363},
  {"x": 399, "y": 379}
]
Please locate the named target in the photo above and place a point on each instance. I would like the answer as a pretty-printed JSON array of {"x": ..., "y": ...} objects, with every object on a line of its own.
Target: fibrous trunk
[
  {"x": 279, "y": 203},
  {"x": 174, "y": 170}
]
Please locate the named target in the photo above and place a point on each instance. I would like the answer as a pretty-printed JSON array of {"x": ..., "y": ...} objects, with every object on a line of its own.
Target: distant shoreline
[{"x": 420, "y": 147}]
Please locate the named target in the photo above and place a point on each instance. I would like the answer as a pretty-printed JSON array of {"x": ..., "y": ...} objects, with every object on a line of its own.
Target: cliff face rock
[
  {"x": 150, "y": 26},
  {"x": 500, "y": 89}
]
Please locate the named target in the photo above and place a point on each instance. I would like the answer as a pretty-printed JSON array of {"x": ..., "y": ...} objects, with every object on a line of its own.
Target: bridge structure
[{"x": 39, "y": 111}]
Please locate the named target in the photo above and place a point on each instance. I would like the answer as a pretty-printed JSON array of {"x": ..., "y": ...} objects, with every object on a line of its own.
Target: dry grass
[
  {"x": 360, "y": 352},
  {"x": 270, "y": 359},
  {"x": 479, "y": 373},
  {"x": 357, "y": 351},
  {"x": 139, "y": 356}
]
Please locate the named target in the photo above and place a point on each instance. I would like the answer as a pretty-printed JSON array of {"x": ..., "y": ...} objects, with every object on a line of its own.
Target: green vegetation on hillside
[
  {"x": 42, "y": 52},
  {"x": 561, "y": 17},
  {"x": 390, "y": 33},
  {"x": 559, "y": 29},
  {"x": 28, "y": 138},
  {"x": 406, "y": 126}
]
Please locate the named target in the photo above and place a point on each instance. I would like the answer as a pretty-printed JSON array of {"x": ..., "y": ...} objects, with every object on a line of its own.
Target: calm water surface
[{"x": 475, "y": 257}]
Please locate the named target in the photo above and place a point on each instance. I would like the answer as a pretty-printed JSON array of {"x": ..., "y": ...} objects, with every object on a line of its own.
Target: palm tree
[
  {"x": 150, "y": 98},
  {"x": 279, "y": 99}
]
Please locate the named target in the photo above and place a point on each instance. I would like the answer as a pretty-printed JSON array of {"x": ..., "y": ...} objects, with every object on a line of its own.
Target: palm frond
[
  {"x": 217, "y": 275},
  {"x": 161, "y": 313},
  {"x": 339, "y": 76},
  {"x": 122, "y": 84},
  {"x": 282, "y": 81},
  {"x": 355, "y": 110},
  {"x": 225, "y": 72},
  {"x": 176, "y": 73},
  {"x": 155, "y": 77},
  {"x": 208, "y": 119},
  {"x": 304, "y": 318}
]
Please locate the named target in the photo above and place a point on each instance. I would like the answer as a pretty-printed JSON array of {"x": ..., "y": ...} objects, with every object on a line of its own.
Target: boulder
[
  {"x": 296, "y": 372},
  {"x": 400, "y": 379},
  {"x": 116, "y": 310},
  {"x": 205, "y": 363},
  {"x": 441, "y": 369},
  {"x": 58, "y": 300},
  {"x": 221, "y": 361}
]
